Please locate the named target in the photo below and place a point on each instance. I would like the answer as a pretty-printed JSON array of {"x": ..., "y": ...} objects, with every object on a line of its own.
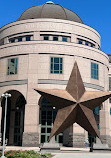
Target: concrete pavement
[{"x": 83, "y": 155}]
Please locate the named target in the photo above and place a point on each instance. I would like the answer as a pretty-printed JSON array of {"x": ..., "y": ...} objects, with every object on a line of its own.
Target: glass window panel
[
  {"x": 79, "y": 41},
  {"x": 51, "y": 60},
  {"x": 46, "y": 38},
  {"x": 48, "y": 130},
  {"x": 56, "y": 67},
  {"x": 49, "y": 113},
  {"x": 60, "y": 139},
  {"x": 86, "y": 43},
  {"x": 56, "y": 60},
  {"x": 94, "y": 66},
  {"x": 42, "y": 138},
  {"x": 44, "y": 113},
  {"x": 51, "y": 67},
  {"x": 92, "y": 45},
  {"x": 49, "y": 122},
  {"x": 49, "y": 116},
  {"x": 12, "y": 40},
  {"x": 60, "y": 66},
  {"x": 42, "y": 130},
  {"x": 56, "y": 72},
  {"x": 47, "y": 138},
  {"x": 96, "y": 110},
  {"x": 64, "y": 39},
  {"x": 28, "y": 38},
  {"x": 61, "y": 60},
  {"x": 19, "y": 39},
  {"x": 43, "y": 122},
  {"x": 55, "y": 38}
]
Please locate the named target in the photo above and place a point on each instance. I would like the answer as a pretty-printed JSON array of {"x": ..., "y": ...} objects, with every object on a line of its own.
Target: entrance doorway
[
  {"x": 48, "y": 114},
  {"x": 15, "y": 118}
]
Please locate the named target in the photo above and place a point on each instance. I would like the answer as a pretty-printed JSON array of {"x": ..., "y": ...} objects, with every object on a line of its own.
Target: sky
[{"x": 95, "y": 13}]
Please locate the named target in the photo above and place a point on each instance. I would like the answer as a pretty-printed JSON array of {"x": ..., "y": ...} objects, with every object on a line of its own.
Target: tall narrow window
[
  {"x": 94, "y": 71},
  {"x": 56, "y": 65},
  {"x": 12, "y": 66}
]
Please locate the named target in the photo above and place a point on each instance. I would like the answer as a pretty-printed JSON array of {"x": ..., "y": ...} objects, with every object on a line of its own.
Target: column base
[
  {"x": 100, "y": 146},
  {"x": 68, "y": 140},
  {"x": 106, "y": 139},
  {"x": 30, "y": 140},
  {"x": 79, "y": 140}
]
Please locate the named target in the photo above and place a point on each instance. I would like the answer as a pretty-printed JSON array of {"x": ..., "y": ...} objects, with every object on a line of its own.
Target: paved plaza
[{"x": 83, "y": 155}]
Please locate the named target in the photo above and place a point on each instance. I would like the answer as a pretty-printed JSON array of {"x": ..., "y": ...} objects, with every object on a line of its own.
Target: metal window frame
[
  {"x": 15, "y": 66},
  {"x": 94, "y": 71},
  {"x": 52, "y": 64}
]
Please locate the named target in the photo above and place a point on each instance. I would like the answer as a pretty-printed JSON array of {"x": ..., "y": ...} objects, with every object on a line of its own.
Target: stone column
[
  {"x": 68, "y": 137},
  {"x": 73, "y": 38},
  {"x": 36, "y": 36},
  {"x": 105, "y": 124},
  {"x": 31, "y": 122}
]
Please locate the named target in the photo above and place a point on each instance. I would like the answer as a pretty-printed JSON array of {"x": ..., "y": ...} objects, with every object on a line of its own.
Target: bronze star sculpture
[{"x": 74, "y": 104}]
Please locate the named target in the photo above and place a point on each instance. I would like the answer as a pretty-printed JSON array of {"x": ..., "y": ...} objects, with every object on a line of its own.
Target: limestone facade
[{"x": 34, "y": 70}]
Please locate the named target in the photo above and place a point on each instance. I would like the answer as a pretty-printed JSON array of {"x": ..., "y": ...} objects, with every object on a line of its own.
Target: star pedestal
[
  {"x": 99, "y": 146},
  {"x": 74, "y": 105},
  {"x": 51, "y": 146}
]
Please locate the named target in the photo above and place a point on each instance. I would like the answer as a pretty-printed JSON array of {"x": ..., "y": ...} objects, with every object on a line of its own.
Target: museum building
[{"x": 38, "y": 51}]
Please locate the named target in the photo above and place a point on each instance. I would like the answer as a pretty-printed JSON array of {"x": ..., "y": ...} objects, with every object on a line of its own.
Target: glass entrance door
[
  {"x": 48, "y": 115},
  {"x": 19, "y": 120}
]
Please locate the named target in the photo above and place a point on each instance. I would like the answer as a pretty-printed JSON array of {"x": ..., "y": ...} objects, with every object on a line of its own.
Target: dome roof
[{"x": 50, "y": 10}]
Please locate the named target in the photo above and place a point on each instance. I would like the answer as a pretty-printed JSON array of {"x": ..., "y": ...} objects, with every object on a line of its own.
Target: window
[
  {"x": 94, "y": 71},
  {"x": 92, "y": 45},
  {"x": 64, "y": 39},
  {"x": 19, "y": 39},
  {"x": 12, "y": 40},
  {"x": 12, "y": 66},
  {"x": 96, "y": 110},
  {"x": 55, "y": 38},
  {"x": 46, "y": 38},
  {"x": 86, "y": 43},
  {"x": 79, "y": 41},
  {"x": 28, "y": 38},
  {"x": 56, "y": 65}
]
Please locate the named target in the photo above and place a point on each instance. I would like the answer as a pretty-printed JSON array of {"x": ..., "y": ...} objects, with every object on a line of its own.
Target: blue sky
[{"x": 95, "y": 13}]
